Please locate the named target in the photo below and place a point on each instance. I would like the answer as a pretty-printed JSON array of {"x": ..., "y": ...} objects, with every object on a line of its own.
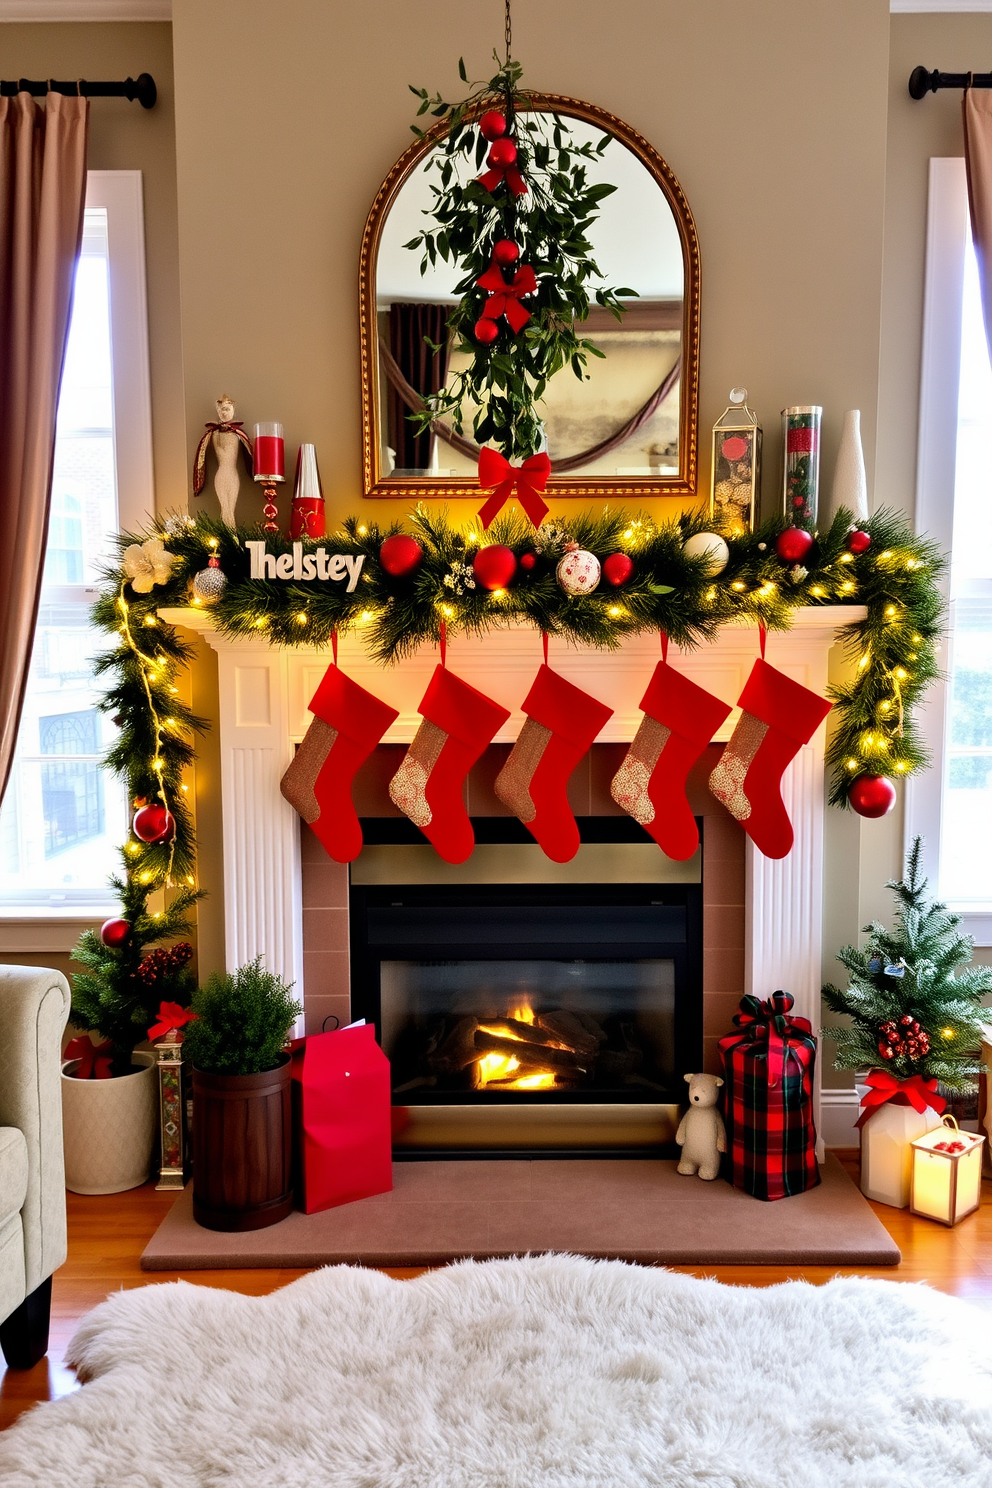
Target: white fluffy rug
[{"x": 520, "y": 1374}]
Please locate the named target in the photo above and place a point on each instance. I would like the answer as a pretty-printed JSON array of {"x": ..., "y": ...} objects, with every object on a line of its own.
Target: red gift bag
[{"x": 341, "y": 1110}]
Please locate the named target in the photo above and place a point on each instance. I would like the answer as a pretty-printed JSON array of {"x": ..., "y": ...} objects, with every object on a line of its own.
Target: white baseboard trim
[{"x": 838, "y": 1113}]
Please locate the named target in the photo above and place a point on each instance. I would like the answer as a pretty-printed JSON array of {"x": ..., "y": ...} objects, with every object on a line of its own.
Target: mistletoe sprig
[{"x": 507, "y": 376}]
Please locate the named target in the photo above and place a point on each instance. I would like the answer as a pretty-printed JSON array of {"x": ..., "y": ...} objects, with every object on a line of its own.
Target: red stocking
[
  {"x": 458, "y": 724},
  {"x": 348, "y": 724},
  {"x": 561, "y": 723},
  {"x": 779, "y": 716},
  {"x": 680, "y": 720}
]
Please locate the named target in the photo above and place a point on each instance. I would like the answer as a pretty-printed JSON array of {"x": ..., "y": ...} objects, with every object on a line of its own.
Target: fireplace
[{"x": 526, "y": 1005}]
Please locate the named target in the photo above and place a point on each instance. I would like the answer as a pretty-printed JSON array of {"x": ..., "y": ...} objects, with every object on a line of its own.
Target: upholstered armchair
[{"x": 34, "y": 1009}]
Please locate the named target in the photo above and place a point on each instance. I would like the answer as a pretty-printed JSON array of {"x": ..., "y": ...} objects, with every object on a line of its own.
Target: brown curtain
[
  {"x": 42, "y": 195},
  {"x": 424, "y": 370},
  {"x": 977, "y": 109}
]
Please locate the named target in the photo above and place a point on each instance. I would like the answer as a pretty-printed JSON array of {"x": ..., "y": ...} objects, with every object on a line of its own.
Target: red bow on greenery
[
  {"x": 94, "y": 1059},
  {"x": 770, "y": 1019},
  {"x": 526, "y": 479},
  {"x": 504, "y": 299},
  {"x": 170, "y": 1015},
  {"x": 912, "y": 1091},
  {"x": 507, "y": 173}
]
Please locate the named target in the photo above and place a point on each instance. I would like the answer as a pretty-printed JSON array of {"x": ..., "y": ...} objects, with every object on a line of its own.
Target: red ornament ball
[
  {"x": 858, "y": 542},
  {"x": 506, "y": 252},
  {"x": 872, "y": 795},
  {"x": 793, "y": 544},
  {"x": 401, "y": 555},
  {"x": 503, "y": 152},
  {"x": 153, "y": 824},
  {"x": 486, "y": 331},
  {"x": 494, "y": 566},
  {"x": 617, "y": 569},
  {"x": 733, "y": 447},
  {"x": 528, "y": 561},
  {"x": 114, "y": 933},
  {"x": 492, "y": 125}
]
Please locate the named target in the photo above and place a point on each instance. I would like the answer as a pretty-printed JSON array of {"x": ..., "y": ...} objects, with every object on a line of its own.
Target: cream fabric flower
[{"x": 147, "y": 564}]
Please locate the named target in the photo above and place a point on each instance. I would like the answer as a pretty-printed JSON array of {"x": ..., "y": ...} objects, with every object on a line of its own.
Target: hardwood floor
[{"x": 107, "y": 1236}]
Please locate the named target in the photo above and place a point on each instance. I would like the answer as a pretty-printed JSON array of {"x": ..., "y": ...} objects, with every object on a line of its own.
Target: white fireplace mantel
[{"x": 264, "y": 692}]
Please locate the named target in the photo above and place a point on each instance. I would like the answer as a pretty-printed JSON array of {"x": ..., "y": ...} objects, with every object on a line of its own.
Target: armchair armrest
[{"x": 34, "y": 1009}]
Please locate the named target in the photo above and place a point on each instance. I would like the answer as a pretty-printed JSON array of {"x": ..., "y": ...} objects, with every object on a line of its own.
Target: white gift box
[{"x": 887, "y": 1153}]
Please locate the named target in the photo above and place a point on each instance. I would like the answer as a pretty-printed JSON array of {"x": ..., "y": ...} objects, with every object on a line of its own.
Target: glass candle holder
[
  {"x": 735, "y": 468},
  {"x": 269, "y": 454},
  {"x": 801, "y": 481}
]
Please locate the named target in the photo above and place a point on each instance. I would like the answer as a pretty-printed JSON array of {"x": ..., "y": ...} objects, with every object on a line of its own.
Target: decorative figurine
[
  {"x": 228, "y": 439},
  {"x": 702, "y": 1134}
]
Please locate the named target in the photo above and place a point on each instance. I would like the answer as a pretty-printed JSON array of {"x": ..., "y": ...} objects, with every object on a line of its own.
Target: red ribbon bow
[
  {"x": 526, "y": 479},
  {"x": 508, "y": 173},
  {"x": 770, "y": 1019},
  {"x": 170, "y": 1015},
  {"x": 913, "y": 1090},
  {"x": 94, "y": 1059},
  {"x": 504, "y": 299}
]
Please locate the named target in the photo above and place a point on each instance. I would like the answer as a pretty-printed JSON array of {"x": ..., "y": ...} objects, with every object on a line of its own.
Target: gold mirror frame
[{"x": 622, "y": 487}]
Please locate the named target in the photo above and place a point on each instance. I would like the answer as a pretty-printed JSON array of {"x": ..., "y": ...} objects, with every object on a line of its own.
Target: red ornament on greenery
[
  {"x": 503, "y": 152},
  {"x": 401, "y": 555},
  {"x": 506, "y": 252},
  {"x": 617, "y": 569},
  {"x": 793, "y": 544},
  {"x": 494, "y": 566},
  {"x": 492, "y": 125},
  {"x": 872, "y": 795},
  {"x": 486, "y": 331},
  {"x": 528, "y": 561},
  {"x": 858, "y": 542},
  {"x": 114, "y": 933},
  {"x": 153, "y": 824}
]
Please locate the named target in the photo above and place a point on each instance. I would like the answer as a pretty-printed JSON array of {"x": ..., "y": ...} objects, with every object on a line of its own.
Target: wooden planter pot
[{"x": 242, "y": 1167}]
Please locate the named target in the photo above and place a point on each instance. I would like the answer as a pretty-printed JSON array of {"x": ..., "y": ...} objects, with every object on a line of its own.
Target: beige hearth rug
[{"x": 549, "y": 1372}]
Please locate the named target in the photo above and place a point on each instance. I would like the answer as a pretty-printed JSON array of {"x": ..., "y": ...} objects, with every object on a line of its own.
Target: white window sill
[
  {"x": 976, "y": 923},
  {"x": 40, "y": 931}
]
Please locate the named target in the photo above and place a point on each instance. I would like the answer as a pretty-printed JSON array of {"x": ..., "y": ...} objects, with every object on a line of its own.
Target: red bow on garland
[
  {"x": 770, "y": 1019},
  {"x": 912, "y": 1091},
  {"x": 504, "y": 299},
  {"x": 170, "y": 1015},
  {"x": 94, "y": 1059},
  {"x": 507, "y": 173},
  {"x": 526, "y": 479}
]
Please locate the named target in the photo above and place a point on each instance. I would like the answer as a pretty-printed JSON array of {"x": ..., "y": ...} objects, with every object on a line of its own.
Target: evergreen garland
[{"x": 885, "y": 1007}]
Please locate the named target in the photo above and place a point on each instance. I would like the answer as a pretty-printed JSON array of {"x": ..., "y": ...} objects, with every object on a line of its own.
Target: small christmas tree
[
  {"x": 120, "y": 993},
  {"x": 909, "y": 1012}
]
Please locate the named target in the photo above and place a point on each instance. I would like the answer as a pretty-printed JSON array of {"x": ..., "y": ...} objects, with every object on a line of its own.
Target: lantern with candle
[
  {"x": 269, "y": 460},
  {"x": 307, "y": 518},
  {"x": 947, "y": 1173},
  {"x": 736, "y": 467}
]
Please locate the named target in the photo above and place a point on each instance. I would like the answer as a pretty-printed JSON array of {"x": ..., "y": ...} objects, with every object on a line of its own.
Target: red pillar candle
[{"x": 269, "y": 453}]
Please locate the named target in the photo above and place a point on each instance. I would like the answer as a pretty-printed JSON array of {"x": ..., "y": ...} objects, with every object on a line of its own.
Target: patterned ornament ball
[
  {"x": 494, "y": 566},
  {"x": 153, "y": 824},
  {"x": 485, "y": 331},
  {"x": 503, "y": 152},
  {"x": 492, "y": 125},
  {"x": 711, "y": 546},
  {"x": 872, "y": 795},
  {"x": 578, "y": 572},
  {"x": 506, "y": 253},
  {"x": 793, "y": 544},
  {"x": 114, "y": 933},
  {"x": 528, "y": 562},
  {"x": 858, "y": 542},
  {"x": 209, "y": 584},
  {"x": 401, "y": 555},
  {"x": 617, "y": 569}
]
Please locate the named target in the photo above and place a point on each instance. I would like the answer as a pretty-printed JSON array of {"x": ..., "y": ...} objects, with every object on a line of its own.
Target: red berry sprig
[
  {"x": 159, "y": 965},
  {"x": 903, "y": 1038}
]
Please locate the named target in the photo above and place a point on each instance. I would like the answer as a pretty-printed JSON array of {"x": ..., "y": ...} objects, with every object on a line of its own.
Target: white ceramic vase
[
  {"x": 850, "y": 487},
  {"x": 109, "y": 1128},
  {"x": 886, "y": 1153}
]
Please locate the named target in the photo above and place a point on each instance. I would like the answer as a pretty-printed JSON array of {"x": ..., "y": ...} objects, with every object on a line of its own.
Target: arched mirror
[{"x": 630, "y": 429}]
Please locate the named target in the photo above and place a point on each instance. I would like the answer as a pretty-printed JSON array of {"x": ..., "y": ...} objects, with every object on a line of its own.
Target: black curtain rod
[
  {"x": 922, "y": 82},
  {"x": 143, "y": 89}
]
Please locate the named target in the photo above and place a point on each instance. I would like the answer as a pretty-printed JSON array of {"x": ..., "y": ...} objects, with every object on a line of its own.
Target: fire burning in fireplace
[{"x": 500, "y": 1070}]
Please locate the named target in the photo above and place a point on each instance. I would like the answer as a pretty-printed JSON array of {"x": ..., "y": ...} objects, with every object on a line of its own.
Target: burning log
[
  {"x": 531, "y": 1055},
  {"x": 536, "y": 1033},
  {"x": 458, "y": 1050},
  {"x": 565, "y": 1028}
]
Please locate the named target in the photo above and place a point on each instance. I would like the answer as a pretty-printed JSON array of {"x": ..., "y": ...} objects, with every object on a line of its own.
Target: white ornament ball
[
  {"x": 209, "y": 584},
  {"x": 578, "y": 572},
  {"x": 711, "y": 546}
]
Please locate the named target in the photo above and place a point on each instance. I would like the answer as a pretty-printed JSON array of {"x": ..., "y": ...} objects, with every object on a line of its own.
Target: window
[
  {"x": 64, "y": 815},
  {"x": 952, "y": 807}
]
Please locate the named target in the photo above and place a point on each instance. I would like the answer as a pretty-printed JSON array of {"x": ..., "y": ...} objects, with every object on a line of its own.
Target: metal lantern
[
  {"x": 169, "y": 1056},
  {"x": 947, "y": 1173},
  {"x": 735, "y": 470}
]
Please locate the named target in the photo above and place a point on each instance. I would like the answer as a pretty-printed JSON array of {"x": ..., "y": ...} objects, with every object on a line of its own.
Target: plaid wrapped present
[{"x": 768, "y": 1069}]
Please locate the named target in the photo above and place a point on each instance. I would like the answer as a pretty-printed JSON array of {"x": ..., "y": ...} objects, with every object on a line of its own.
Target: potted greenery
[
  {"x": 109, "y": 1090},
  {"x": 242, "y": 1118}
]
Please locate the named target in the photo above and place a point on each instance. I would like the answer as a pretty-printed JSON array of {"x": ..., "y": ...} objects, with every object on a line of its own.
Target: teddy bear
[{"x": 702, "y": 1134}]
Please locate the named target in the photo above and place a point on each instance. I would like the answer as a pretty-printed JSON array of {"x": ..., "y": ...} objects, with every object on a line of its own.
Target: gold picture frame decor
[{"x": 377, "y": 364}]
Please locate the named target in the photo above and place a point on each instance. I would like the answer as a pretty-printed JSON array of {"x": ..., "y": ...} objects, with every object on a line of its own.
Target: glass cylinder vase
[{"x": 801, "y": 481}]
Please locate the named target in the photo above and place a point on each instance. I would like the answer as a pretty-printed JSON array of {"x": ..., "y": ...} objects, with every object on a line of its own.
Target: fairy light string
[{"x": 157, "y": 763}]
